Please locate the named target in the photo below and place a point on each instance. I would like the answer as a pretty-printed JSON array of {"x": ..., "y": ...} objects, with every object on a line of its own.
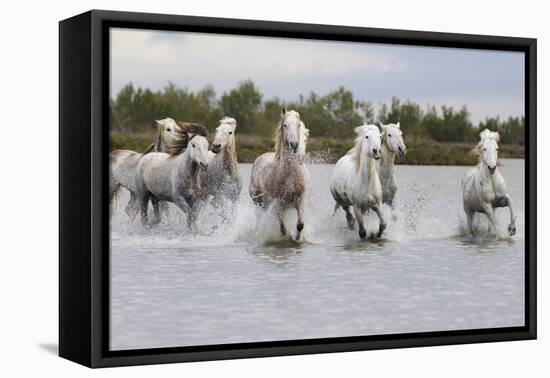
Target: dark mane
[{"x": 184, "y": 132}]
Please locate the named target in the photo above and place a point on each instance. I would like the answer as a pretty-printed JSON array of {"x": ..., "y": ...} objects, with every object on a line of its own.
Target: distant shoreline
[{"x": 420, "y": 151}]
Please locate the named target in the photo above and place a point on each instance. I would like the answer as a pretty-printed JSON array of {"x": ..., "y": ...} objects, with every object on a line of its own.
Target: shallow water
[{"x": 239, "y": 281}]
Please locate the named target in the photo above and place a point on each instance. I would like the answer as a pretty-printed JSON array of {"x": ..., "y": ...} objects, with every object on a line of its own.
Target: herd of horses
[{"x": 179, "y": 168}]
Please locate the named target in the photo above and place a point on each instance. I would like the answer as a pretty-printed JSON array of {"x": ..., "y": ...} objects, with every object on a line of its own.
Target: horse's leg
[
  {"x": 164, "y": 209},
  {"x": 512, "y": 225},
  {"x": 382, "y": 223},
  {"x": 144, "y": 207},
  {"x": 300, "y": 223},
  {"x": 280, "y": 215},
  {"x": 130, "y": 207},
  {"x": 156, "y": 209},
  {"x": 349, "y": 217},
  {"x": 490, "y": 213},
  {"x": 113, "y": 189},
  {"x": 188, "y": 210},
  {"x": 359, "y": 217},
  {"x": 470, "y": 219}
]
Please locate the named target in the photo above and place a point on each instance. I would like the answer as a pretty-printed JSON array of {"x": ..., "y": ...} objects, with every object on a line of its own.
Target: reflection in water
[{"x": 240, "y": 281}]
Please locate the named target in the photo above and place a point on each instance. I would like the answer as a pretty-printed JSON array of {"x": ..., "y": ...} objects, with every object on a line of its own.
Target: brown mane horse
[
  {"x": 278, "y": 177},
  {"x": 171, "y": 138}
]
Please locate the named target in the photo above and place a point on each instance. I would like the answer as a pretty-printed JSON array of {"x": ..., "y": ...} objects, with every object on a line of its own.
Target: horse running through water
[
  {"x": 355, "y": 182},
  {"x": 173, "y": 177},
  {"x": 123, "y": 163},
  {"x": 222, "y": 180},
  {"x": 392, "y": 144},
  {"x": 279, "y": 177},
  {"x": 483, "y": 187}
]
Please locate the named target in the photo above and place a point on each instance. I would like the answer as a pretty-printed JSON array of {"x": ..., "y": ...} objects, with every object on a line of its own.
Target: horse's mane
[
  {"x": 230, "y": 120},
  {"x": 278, "y": 138},
  {"x": 356, "y": 150},
  {"x": 184, "y": 132}
]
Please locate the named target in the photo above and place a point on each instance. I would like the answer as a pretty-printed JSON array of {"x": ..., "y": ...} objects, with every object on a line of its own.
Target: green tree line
[{"x": 333, "y": 115}]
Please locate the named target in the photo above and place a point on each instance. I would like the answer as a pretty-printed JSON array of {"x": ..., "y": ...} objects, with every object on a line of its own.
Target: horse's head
[
  {"x": 167, "y": 129},
  {"x": 370, "y": 140},
  {"x": 198, "y": 151},
  {"x": 487, "y": 149},
  {"x": 225, "y": 134},
  {"x": 393, "y": 138},
  {"x": 290, "y": 125}
]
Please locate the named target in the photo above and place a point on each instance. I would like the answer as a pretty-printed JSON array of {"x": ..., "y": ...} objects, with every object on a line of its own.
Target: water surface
[{"x": 239, "y": 281}]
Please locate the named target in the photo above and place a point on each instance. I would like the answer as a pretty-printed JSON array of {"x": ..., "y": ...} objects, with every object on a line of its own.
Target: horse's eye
[
  {"x": 484, "y": 149},
  {"x": 231, "y": 132},
  {"x": 389, "y": 135},
  {"x": 168, "y": 130},
  {"x": 366, "y": 136},
  {"x": 284, "y": 125},
  {"x": 193, "y": 145}
]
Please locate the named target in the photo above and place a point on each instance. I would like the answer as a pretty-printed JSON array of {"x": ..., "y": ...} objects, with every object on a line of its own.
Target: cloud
[
  {"x": 211, "y": 57},
  {"x": 486, "y": 81}
]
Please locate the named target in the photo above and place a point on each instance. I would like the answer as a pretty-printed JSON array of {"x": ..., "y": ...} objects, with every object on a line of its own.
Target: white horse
[
  {"x": 173, "y": 178},
  {"x": 483, "y": 187},
  {"x": 392, "y": 144},
  {"x": 355, "y": 182},
  {"x": 123, "y": 163},
  {"x": 223, "y": 178},
  {"x": 279, "y": 177}
]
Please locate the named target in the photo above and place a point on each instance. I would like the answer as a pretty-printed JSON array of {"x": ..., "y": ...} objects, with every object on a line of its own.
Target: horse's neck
[
  {"x": 387, "y": 161},
  {"x": 160, "y": 145},
  {"x": 287, "y": 160},
  {"x": 229, "y": 158},
  {"x": 187, "y": 167},
  {"x": 367, "y": 168}
]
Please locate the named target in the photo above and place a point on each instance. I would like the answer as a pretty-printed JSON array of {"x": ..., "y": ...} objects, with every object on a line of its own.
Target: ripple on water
[{"x": 238, "y": 280}]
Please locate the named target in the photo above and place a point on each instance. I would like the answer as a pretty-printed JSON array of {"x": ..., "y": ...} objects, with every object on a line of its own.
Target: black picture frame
[{"x": 83, "y": 180}]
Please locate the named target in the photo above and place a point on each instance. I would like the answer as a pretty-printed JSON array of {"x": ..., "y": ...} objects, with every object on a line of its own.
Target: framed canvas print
[{"x": 234, "y": 188}]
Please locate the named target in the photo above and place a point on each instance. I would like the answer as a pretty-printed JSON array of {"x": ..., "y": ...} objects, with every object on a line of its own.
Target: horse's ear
[
  {"x": 283, "y": 111},
  {"x": 398, "y": 125},
  {"x": 158, "y": 123}
]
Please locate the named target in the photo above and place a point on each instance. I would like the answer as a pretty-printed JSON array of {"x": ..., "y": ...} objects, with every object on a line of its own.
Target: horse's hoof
[
  {"x": 512, "y": 229},
  {"x": 300, "y": 227},
  {"x": 362, "y": 234}
]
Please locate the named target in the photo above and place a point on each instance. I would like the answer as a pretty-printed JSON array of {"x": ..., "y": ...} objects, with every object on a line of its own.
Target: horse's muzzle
[
  {"x": 203, "y": 166},
  {"x": 293, "y": 146},
  {"x": 492, "y": 169},
  {"x": 401, "y": 151},
  {"x": 216, "y": 148}
]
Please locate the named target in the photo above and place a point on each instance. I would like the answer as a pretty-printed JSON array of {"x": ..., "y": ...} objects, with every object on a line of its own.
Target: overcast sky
[{"x": 490, "y": 83}]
